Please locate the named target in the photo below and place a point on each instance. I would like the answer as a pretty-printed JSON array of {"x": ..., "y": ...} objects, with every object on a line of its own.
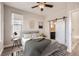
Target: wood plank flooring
[{"x": 9, "y": 50}]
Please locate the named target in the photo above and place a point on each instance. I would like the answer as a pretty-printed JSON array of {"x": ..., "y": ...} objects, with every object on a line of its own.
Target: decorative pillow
[{"x": 34, "y": 36}]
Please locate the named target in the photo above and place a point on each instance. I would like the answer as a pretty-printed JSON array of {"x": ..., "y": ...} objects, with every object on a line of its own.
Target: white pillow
[
  {"x": 27, "y": 35},
  {"x": 24, "y": 40}
]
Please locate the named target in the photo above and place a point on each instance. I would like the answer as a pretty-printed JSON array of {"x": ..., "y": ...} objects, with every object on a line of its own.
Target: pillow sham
[
  {"x": 26, "y": 36},
  {"x": 24, "y": 40}
]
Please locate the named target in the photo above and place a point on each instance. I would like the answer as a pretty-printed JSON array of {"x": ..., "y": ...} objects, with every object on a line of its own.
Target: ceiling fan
[{"x": 42, "y": 5}]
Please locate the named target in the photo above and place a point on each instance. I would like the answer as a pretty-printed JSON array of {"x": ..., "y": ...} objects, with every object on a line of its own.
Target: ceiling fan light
[{"x": 41, "y": 6}]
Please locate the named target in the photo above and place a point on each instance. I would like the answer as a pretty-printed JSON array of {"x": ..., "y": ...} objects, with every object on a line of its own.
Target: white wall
[
  {"x": 58, "y": 14},
  {"x": 75, "y": 27},
  {"x": 1, "y": 28},
  {"x": 28, "y": 17}
]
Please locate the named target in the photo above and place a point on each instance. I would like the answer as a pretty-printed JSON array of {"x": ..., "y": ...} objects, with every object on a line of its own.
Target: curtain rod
[{"x": 59, "y": 18}]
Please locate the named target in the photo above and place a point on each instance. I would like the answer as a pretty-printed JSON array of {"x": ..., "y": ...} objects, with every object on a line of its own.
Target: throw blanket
[
  {"x": 55, "y": 49},
  {"x": 35, "y": 47},
  {"x": 44, "y": 47}
]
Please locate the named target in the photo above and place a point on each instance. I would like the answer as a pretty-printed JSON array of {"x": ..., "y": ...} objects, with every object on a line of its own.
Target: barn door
[{"x": 60, "y": 31}]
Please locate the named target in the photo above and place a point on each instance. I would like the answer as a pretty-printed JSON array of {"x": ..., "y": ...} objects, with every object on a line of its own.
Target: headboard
[{"x": 30, "y": 34}]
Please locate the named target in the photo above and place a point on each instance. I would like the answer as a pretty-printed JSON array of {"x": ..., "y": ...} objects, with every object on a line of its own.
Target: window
[{"x": 17, "y": 22}]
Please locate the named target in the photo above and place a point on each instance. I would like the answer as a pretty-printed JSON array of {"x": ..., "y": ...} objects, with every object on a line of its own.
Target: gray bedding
[
  {"x": 35, "y": 47},
  {"x": 55, "y": 49},
  {"x": 38, "y": 47}
]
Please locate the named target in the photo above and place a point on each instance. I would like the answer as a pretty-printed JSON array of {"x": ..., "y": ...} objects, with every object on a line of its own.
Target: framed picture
[{"x": 40, "y": 25}]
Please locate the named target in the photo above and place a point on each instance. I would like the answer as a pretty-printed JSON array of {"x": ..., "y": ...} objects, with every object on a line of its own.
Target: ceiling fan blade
[
  {"x": 38, "y": 2},
  {"x": 35, "y": 6},
  {"x": 41, "y": 2},
  {"x": 44, "y": 2},
  {"x": 47, "y": 5}
]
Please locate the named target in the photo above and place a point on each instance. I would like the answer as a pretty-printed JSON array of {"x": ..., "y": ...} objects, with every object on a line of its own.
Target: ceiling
[
  {"x": 59, "y": 8},
  {"x": 26, "y": 6}
]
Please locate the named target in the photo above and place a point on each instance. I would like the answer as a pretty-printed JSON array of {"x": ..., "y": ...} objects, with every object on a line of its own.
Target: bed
[
  {"x": 27, "y": 35},
  {"x": 42, "y": 47}
]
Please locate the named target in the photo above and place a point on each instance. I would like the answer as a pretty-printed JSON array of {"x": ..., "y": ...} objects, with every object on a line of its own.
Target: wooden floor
[{"x": 9, "y": 50}]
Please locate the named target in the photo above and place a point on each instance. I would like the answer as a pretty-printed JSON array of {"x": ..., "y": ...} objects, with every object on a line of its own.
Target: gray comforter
[
  {"x": 38, "y": 47},
  {"x": 35, "y": 47}
]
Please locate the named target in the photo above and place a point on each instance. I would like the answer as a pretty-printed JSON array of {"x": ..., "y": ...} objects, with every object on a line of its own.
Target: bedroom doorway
[
  {"x": 75, "y": 29},
  {"x": 58, "y": 30},
  {"x": 52, "y": 30}
]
